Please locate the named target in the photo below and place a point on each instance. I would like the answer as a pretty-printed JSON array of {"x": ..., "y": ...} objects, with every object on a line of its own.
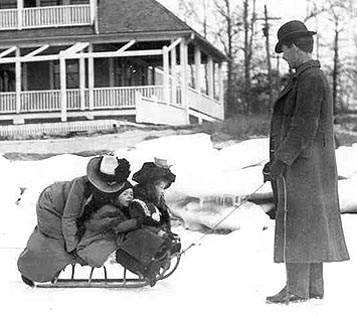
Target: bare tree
[
  {"x": 249, "y": 19},
  {"x": 229, "y": 26},
  {"x": 196, "y": 11},
  {"x": 338, "y": 12}
]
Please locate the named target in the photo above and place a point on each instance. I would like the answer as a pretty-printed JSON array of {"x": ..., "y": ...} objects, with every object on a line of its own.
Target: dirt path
[{"x": 88, "y": 145}]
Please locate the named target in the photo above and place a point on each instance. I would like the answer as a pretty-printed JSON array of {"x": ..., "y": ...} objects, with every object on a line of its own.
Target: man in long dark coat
[{"x": 303, "y": 171}]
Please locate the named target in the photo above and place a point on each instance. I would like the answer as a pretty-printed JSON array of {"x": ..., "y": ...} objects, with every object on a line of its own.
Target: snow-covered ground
[{"x": 225, "y": 274}]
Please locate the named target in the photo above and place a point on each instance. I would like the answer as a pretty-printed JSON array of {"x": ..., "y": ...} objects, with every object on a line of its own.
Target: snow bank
[
  {"x": 346, "y": 158},
  {"x": 203, "y": 172},
  {"x": 246, "y": 153},
  {"x": 347, "y": 189},
  {"x": 200, "y": 216}
]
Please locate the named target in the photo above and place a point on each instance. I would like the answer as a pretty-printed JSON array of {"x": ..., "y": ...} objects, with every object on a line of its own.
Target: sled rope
[{"x": 235, "y": 208}]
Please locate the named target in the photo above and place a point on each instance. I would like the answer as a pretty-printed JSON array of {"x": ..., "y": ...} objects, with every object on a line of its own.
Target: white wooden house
[{"x": 63, "y": 60}]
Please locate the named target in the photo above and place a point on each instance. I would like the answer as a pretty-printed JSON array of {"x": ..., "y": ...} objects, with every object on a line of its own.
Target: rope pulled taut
[{"x": 235, "y": 208}]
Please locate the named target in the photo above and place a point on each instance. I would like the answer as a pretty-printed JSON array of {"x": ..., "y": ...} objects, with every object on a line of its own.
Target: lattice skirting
[{"x": 57, "y": 128}]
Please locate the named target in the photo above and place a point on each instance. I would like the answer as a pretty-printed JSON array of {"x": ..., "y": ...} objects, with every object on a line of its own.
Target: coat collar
[
  {"x": 305, "y": 66},
  {"x": 299, "y": 70}
]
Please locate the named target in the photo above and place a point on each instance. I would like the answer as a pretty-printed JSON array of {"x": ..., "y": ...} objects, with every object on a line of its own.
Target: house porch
[{"x": 156, "y": 82}]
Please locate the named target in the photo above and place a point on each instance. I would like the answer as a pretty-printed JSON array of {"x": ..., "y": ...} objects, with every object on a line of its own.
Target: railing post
[
  {"x": 220, "y": 82},
  {"x": 20, "y": 6},
  {"x": 18, "y": 80},
  {"x": 221, "y": 92},
  {"x": 91, "y": 77},
  {"x": 210, "y": 77},
  {"x": 63, "y": 85},
  {"x": 183, "y": 64},
  {"x": 173, "y": 74},
  {"x": 198, "y": 70},
  {"x": 82, "y": 82},
  {"x": 166, "y": 75}
]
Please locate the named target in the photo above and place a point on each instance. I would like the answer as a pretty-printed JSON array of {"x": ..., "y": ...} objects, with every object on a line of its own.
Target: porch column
[
  {"x": 18, "y": 80},
  {"x": 93, "y": 14},
  {"x": 82, "y": 82},
  {"x": 166, "y": 75},
  {"x": 20, "y": 6},
  {"x": 91, "y": 77},
  {"x": 198, "y": 69},
  {"x": 210, "y": 77},
  {"x": 173, "y": 74},
  {"x": 63, "y": 86},
  {"x": 220, "y": 82},
  {"x": 184, "y": 63}
]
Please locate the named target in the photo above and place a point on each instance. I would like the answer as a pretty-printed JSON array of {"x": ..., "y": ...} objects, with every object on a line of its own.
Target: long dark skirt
[{"x": 43, "y": 257}]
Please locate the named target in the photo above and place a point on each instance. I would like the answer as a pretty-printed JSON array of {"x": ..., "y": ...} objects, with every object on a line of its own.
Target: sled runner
[{"x": 165, "y": 267}]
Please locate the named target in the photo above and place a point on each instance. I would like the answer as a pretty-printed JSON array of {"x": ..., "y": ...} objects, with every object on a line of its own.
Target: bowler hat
[
  {"x": 108, "y": 173},
  {"x": 290, "y": 30},
  {"x": 152, "y": 171}
]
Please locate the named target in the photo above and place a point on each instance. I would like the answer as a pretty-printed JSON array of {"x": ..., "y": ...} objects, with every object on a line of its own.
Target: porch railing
[
  {"x": 124, "y": 96},
  {"x": 53, "y": 16},
  {"x": 205, "y": 104},
  {"x": 8, "y": 19},
  {"x": 104, "y": 98},
  {"x": 7, "y": 102},
  {"x": 39, "y": 101}
]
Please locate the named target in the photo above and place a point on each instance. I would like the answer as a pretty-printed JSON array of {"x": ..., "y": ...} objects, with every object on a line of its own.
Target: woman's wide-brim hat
[
  {"x": 289, "y": 31},
  {"x": 101, "y": 174},
  {"x": 153, "y": 171}
]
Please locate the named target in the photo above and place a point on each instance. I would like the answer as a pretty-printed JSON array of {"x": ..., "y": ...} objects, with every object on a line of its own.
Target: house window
[
  {"x": 31, "y": 3},
  {"x": 49, "y": 3},
  {"x": 7, "y": 78},
  {"x": 79, "y": 1},
  {"x": 72, "y": 70},
  {"x": 8, "y": 4}
]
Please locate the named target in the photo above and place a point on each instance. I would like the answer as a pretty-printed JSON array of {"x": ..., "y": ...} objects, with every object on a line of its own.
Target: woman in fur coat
[{"x": 53, "y": 243}]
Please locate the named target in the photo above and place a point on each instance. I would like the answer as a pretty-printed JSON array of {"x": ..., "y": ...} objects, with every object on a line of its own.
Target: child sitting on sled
[
  {"x": 149, "y": 247},
  {"x": 104, "y": 228}
]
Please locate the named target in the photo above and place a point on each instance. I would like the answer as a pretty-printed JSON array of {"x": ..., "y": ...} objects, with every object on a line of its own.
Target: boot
[
  {"x": 284, "y": 297},
  {"x": 27, "y": 281}
]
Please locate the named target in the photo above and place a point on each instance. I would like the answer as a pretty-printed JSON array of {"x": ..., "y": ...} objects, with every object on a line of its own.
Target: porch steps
[{"x": 73, "y": 127}]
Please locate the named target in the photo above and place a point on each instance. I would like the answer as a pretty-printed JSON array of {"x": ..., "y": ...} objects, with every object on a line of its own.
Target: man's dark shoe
[
  {"x": 27, "y": 281},
  {"x": 284, "y": 298},
  {"x": 277, "y": 296}
]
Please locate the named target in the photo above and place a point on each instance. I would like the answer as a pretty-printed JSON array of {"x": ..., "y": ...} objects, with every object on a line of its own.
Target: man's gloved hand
[
  {"x": 277, "y": 168},
  {"x": 266, "y": 172}
]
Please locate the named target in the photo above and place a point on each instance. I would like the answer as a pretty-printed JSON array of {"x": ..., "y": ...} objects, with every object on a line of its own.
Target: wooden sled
[{"x": 115, "y": 283}]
